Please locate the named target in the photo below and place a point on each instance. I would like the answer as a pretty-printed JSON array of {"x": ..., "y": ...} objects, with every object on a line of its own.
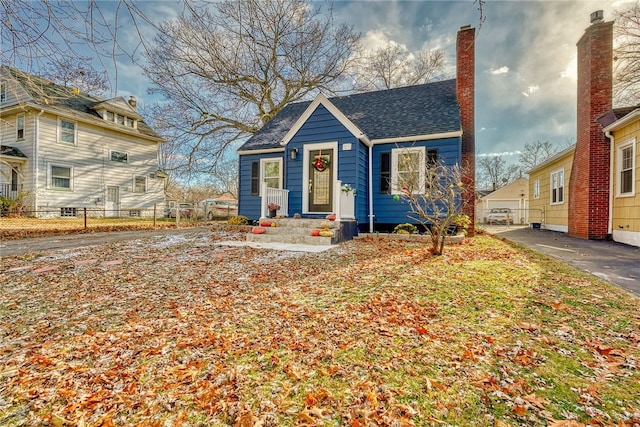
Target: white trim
[
  {"x": 119, "y": 152},
  {"x": 78, "y": 116},
  {"x": 305, "y": 171},
  {"x": 133, "y": 184},
  {"x": 553, "y": 227},
  {"x": 631, "y": 143},
  {"x": 50, "y": 186},
  {"x": 263, "y": 151},
  {"x": 417, "y": 138},
  {"x": 75, "y": 132},
  {"x": 627, "y": 237},
  {"x": 24, "y": 126},
  {"x": 280, "y": 172},
  {"x": 564, "y": 185},
  {"x": 394, "y": 168},
  {"x": 321, "y": 99}
]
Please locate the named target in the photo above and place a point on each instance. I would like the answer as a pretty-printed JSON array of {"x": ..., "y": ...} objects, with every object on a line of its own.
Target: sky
[{"x": 525, "y": 58}]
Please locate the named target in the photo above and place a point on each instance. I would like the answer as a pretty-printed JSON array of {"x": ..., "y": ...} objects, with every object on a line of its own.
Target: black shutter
[
  {"x": 385, "y": 173},
  {"x": 255, "y": 178}
]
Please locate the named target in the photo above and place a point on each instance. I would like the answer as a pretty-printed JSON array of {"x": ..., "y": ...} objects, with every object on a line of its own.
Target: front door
[
  {"x": 321, "y": 180},
  {"x": 112, "y": 203}
]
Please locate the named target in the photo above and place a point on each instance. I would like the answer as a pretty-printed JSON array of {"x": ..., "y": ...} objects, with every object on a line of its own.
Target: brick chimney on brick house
[
  {"x": 589, "y": 183},
  {"x": 465, "y": 92}
]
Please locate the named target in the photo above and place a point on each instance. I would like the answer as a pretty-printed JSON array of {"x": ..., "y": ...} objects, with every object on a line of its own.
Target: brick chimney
[
  {"x": 465, "y": 92},
  {"x": 590, "y": 174}
]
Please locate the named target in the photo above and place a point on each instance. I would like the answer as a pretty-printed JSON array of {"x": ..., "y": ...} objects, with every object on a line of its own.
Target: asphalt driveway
[{"x": 614, "y": 262}]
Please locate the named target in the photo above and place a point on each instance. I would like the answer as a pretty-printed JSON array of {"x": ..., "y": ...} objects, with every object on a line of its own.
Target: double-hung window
[
  {"x": 60, "y": 177},
  {"x": 407, "y": 170},
  {"x": 3, "y": 92},
  {"x": 20, "y": 127},
  {"x": 626, "y": 168},
  {"x": 268, "y": 171},
  {"x": 557, "y": 187},
  {"x": 67, "y": 132},
  {"x": 139, "y": 184}
]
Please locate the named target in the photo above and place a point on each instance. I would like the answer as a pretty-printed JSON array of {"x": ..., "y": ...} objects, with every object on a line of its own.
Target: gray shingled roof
[
  {"x": 6, "y": 150},
  {"x": 402, "y": 112},
  {"x": 47, "y": 93}
]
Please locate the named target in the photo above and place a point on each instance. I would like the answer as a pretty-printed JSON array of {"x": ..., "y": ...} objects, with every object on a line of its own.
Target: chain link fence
[
  {"x": 20, "y": 221},
  {"x": 516, "y": 217}
]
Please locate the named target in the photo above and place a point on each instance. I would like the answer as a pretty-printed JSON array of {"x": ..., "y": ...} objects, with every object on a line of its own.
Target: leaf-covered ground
[{"x": 180, "y": 331}]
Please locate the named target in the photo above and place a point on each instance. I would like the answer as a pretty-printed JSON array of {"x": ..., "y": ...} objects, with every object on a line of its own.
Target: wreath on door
[{"x": 320, "y": 163}]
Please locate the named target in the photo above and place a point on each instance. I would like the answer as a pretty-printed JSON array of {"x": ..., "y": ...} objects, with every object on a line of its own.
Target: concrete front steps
[{"x": 298, "y": 231}]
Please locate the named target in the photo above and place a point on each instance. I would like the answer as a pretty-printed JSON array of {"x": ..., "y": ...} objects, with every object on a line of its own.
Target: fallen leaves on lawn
[{"x": 182, "y": 331}]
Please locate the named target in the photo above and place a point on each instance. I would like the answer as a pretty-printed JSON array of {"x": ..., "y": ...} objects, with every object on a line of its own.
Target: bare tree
[
  {"x": 492, "y": 172},
  {"x": 228, "y": 68},
  {"x": 395, "y": 66},
  {"x": 435, "y": 194},
  {"x": 535, "y": 153},
  {"x": 77, "y": 73},
  {"x": 627, "y": 55}
]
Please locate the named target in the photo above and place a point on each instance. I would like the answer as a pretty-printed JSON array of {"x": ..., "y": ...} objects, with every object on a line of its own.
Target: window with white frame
[
  {"x": 626, "y": 167},
  {"x": 119, "y": 156},
  {"x": 3, "y": 91},
  {"x": 20, "y": 126},
  {"x": 536, "y": 189},
  {"x": 407, "y": 170},
  {"x": 67, "y": 132},
  {"x": 272, "y": 172},
  {"x": 557, "y": 187},
  {"x": 139, "y": 184},
  {"x": 60, "y": 177}
]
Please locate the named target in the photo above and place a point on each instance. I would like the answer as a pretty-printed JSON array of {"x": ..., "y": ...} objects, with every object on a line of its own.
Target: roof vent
[{"x": 597, "y": 17}]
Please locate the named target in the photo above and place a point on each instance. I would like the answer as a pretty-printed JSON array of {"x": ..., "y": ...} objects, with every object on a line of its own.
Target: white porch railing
[
  {"x": 344, "y": 204},
  {"x": 277, "y": 196}
]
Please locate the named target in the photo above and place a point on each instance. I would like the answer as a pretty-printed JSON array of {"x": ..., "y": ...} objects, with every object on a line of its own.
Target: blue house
[{"x": 345, "y": 155}]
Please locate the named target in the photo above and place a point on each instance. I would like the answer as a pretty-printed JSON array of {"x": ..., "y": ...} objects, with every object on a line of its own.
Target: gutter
[
  {"x": 36, "y": 170},
  {"x": 612, "y": 177},
  {"x": 370, "y": 178}
]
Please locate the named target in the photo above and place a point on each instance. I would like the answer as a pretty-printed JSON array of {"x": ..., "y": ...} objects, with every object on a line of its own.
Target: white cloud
[
  {"x": 376, "y": 39},
  {"x": 504, "y": 153},
  {"x": 571, "y": 71},
  {"x": 531, "y": 90},
  {"x": 496, "y": 71}
]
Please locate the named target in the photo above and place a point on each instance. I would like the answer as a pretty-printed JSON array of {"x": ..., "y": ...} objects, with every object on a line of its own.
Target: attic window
[
  {"x": 120, "y": 119},
  {"x": 3, "y": 92}
]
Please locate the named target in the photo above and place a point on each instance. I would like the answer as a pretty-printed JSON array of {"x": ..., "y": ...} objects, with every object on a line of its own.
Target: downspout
[
  {"x": 370, "y": 178},
  {"x": 36, "y": 169},
  {"x": 612, "y": 177}
]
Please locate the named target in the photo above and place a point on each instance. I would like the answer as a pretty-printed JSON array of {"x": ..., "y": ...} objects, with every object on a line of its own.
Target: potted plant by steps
[{"x": 273, "y": 208}]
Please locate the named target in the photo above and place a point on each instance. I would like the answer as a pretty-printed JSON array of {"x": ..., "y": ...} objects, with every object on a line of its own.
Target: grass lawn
[
  {"x": 25, "y": 227},
  {"x": 374, "y": 333}
]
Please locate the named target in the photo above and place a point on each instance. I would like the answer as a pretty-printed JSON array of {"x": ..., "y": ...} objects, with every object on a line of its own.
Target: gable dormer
[{"x": 118, "y": 111}]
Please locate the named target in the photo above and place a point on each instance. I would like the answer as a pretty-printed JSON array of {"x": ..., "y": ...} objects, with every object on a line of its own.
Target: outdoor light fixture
[{"x": 294, "y": 153}]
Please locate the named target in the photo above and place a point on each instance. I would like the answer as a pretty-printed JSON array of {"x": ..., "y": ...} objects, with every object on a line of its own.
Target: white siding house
[{"x": 63, "y": 150}]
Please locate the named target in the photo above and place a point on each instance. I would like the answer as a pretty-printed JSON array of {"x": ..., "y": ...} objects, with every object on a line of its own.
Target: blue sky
[{"x": 525, "y": 58}]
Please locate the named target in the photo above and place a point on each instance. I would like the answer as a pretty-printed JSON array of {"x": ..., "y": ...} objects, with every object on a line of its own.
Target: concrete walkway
[{"x": 614, "y": 262}]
